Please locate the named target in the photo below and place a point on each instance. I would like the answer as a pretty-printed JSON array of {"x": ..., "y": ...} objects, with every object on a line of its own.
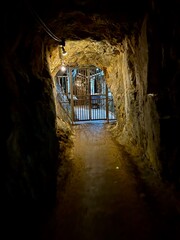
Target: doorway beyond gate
[{"x": 84, "y": 94}]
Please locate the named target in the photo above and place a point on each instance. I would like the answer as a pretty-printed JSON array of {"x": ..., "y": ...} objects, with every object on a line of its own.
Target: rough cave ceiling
[
  {"x": 92, "y": 29},
  {"x": 95, "y": 19},
  {"x": 75, "y": 20}
]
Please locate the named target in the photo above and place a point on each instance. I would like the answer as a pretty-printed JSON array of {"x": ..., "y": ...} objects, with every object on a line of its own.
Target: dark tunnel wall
[
  {"x": 29, "y": 150},
  {"x": 164, "y": 78}
]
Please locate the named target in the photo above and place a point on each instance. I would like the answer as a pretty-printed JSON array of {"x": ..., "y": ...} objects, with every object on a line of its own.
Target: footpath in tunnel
[{"x": 104, "y": 198}]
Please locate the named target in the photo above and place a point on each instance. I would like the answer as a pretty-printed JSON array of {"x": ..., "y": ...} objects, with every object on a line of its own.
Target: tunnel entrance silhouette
[{"x": 84, "y": 94}]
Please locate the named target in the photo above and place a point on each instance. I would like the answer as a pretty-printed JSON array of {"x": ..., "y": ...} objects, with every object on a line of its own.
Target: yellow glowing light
[{"x": 63, "y": 68}]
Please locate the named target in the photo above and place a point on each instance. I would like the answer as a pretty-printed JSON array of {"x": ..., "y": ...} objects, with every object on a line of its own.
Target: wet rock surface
[{"x": 104, "y": 196}]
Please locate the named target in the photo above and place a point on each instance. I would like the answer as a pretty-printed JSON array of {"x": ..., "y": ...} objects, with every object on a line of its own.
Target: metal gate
[{"x": 85, "y": 95}]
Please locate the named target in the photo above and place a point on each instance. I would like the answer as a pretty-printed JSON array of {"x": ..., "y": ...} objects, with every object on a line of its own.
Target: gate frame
[{"x": 70, "y": 79}]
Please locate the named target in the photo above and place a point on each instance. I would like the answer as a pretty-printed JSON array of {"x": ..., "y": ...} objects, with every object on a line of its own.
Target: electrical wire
[{"x": 48, "y": 31}]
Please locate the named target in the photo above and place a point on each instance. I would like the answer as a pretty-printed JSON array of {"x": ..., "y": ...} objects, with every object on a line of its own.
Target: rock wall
[
  {"x": 125, "y": 66},
  {"x": 163, "y": 80},
  {"x": 28, "y": 127},
  {"x": 137, "y": 125}
]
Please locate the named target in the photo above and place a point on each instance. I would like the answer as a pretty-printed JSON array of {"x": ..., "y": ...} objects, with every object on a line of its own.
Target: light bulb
[{"x": 63, "y": 68}]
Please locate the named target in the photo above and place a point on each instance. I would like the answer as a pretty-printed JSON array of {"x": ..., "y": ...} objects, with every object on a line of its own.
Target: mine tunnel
[{"x": 135, "y": 47}]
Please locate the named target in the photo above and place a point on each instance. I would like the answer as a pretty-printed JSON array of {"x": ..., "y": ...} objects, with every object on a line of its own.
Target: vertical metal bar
[
  {"x": 81, "y": 110},
  {"x": 89, "y": 92},
  {"x": 66, "y": 82},
  {"x": 107, "y": 106},
  {"x": 71, "y": 91}
]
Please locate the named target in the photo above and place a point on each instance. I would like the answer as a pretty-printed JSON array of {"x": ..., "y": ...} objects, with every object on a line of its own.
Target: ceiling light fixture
[
  {"x": 63, "y": 67},
  {"x": 62, "y": 47},
  {"x": 64, "y": 53}
]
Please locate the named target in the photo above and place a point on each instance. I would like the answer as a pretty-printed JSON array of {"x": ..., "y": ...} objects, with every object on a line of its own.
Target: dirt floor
[{"x": 105, "y": 196}]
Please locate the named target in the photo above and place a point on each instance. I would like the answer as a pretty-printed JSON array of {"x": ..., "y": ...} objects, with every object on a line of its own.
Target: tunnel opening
[{"x": 84, "y": 94}]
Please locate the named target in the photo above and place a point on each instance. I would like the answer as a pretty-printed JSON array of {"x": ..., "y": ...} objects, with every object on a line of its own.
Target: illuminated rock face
[
  {"x": 139, "y": 54},
  {"x": 140, "y": 60},
  {"x": 125, "y": 65}
]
